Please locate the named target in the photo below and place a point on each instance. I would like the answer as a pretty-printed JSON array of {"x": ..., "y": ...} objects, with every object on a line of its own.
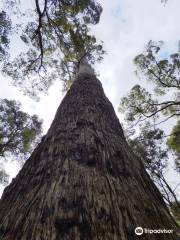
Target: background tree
[
  {"x": 4, "y": 177},
  {"x": 19, "y": 134},
  {"x": 164, "y": 74},
  {"x": 5, "y": 29},
  {"x": 150, "y": 145},
  {"x": 164, "y": 101},
  {"x": 174, "y": 144}
]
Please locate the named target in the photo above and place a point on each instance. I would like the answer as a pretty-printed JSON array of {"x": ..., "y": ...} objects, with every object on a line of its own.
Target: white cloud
[{"x": 125, "y": 36}]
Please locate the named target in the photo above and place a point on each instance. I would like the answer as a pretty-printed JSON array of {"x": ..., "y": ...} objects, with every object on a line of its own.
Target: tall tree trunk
[{"x": 83, "y": 182}]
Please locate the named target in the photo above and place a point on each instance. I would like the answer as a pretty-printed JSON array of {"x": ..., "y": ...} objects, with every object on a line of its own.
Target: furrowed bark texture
[{"x": 82, "y": 182}]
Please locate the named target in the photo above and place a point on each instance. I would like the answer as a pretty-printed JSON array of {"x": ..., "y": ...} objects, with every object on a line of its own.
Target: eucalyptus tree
[
  {"x": 82, "y": 181},
  {"x": 18, "y": 131},
  {"x": 174, "y": 144},
  {"x": 4, "y": 177},
  {"x": 163, "y": 102},
  {"x": 163, "y": 73},
  {"x": 19, "y": 134},
  {"x": 5, "y": 29},
  {"x": 150, "y": 145}
]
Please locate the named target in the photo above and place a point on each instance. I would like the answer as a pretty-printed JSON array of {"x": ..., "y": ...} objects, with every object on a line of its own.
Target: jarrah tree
[{"x": 83, "y": 181}]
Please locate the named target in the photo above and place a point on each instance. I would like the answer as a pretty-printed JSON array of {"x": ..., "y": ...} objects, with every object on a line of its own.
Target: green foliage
[
  {"x": 56, "y": 40},
  {"x": 5, "y": 28},
  {"x": 4, "y": 177},
  {"x": 148, "y": 145},
  {"x": 19, "y": 132},
  {"x": 138, "y": 104},
  {"x": 163, "y": 102},
  {"x": 174, "y": 143},
  {"x": 146, "y": 110},
  {"x": 163, "y": 72}
]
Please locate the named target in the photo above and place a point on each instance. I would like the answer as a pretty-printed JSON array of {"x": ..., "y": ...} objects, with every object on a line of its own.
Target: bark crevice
[{"x": 82, "y": 181}]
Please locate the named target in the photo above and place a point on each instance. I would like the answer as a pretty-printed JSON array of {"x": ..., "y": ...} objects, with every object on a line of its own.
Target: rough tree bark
[{"x": 83, "y": 182}]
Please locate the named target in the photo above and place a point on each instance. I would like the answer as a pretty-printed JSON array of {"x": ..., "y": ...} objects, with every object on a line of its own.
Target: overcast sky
[{"x": 126, "y": 26}]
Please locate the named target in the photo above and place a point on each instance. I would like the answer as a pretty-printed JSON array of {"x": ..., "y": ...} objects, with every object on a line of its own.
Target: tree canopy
[
  {"x": 160, "y": 104},
  {"x": 5, "y": 28},
  {"x": 174, "y": 143},
  {"x": 140, "y": 104},
  {"x": 19, "y": 132},
  {"x": 56, "y": 36},
  {"x": 4, "y": 177}
]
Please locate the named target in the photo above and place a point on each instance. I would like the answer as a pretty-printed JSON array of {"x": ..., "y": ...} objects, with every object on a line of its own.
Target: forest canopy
[{"x": 55, "y": 41}]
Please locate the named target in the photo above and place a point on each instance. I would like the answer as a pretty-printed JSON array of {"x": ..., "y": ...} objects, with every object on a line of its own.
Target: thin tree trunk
[
  {"x": 170, "y": 190},
  {"x": 83, "y": 182},
  {"x": 165, "y": 193}
]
